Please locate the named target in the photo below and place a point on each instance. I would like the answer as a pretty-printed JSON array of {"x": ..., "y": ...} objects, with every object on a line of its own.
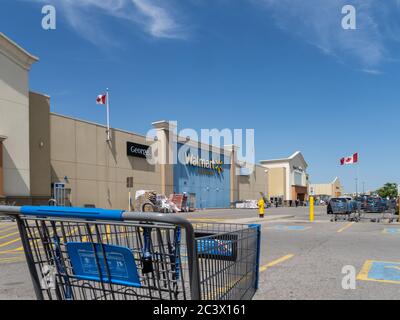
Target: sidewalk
[{"x": 245, "y": 220}]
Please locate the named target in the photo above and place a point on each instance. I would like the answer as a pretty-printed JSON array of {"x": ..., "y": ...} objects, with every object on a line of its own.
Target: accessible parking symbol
[
  {"x": 380, "y": 271},
  {"x": 391, "y": 230},
  {"x": 290, "y": 228}
]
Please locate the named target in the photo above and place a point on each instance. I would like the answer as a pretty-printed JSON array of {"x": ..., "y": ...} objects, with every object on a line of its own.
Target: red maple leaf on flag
[{"x": 101, "y": 99}]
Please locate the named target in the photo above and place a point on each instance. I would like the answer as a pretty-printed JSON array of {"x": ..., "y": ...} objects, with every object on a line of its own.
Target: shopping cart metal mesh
[
  {"x": 228, "y": 260},
  {"x": 80, "y": 259}
]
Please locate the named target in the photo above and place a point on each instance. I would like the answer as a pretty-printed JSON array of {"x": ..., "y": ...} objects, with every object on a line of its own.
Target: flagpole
[
  {"x": 108, "y": 115},
  {"x": 357, "y": 176},
  {"x": 356, "y": 180}
]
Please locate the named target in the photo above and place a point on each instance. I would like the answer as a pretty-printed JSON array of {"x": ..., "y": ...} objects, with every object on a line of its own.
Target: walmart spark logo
[{"x": 219, "y": 167}]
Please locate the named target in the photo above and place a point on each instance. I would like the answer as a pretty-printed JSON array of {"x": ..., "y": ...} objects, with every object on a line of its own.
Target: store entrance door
[
  {"x": 299, "y": 193},
  {"x": 301, "y": 197}
]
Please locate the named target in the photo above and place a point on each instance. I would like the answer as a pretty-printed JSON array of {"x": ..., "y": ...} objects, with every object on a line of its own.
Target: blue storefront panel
[{"x": 209, "y": 181}]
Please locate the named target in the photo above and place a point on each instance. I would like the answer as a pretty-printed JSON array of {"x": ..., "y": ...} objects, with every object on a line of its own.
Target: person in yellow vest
[{"x": 261, "y": 207}]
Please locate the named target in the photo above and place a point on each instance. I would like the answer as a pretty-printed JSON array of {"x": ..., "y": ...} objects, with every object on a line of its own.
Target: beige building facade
[
  {"x": 15, "y": 64},
  {"x": 288, "y": 178},
  {"x": 252, "y": 186},
  {"x": 95, "y": 170},
  {"x": 332, "y": 190}
]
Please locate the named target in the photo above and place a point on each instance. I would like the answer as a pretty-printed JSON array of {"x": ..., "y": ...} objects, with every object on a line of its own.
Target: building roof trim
[
  {"x": 283, "y": 160},
  {"x": 327, "y": 183},
  {"x": 39, "y": 94},
  {"x": 16, "y": 53},
  {"x": 335, "y": 180}
]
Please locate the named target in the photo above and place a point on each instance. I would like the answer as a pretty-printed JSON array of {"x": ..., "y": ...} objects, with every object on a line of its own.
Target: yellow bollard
[
  {"x": 261, "y": 208},
  {"x": 311, "y": 209}
]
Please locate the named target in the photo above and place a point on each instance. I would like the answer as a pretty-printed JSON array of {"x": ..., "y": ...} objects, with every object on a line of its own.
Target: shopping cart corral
[
  {"x": 388, "y": 216},
  {"x": 343, "y": 209},
  {"x": 97, "y": 254}
]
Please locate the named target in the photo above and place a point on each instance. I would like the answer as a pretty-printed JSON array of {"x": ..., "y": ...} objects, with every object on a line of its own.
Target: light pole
[{"x": 356, "y": 187}]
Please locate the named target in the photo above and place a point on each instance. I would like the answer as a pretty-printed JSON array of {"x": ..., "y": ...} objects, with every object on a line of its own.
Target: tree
[{"x": 388, "y": 190}]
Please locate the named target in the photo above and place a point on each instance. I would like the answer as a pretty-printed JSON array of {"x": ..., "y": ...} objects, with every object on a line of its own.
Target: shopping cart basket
[{"x": 97, "y": 254}]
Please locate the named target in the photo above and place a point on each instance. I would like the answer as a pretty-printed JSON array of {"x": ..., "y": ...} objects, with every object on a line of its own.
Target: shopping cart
[
  {"x": 97, "y": 254},
  {"x": 343, "y": 209},
  {"x": 377, "y": 210},
  {"x": 389, "y": 214}
]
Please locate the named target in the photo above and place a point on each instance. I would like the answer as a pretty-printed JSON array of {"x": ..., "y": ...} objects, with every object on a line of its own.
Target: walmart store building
[
  {"x": 206, "y": 178},
  {"x": 41, "y": 151}
]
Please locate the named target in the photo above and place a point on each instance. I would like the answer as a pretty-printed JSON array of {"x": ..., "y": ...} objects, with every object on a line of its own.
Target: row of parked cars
[{"x": 348, "y": 205}]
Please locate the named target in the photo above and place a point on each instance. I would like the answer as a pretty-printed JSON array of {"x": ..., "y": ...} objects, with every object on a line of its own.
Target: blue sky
[{"x": 283, "y": 67}]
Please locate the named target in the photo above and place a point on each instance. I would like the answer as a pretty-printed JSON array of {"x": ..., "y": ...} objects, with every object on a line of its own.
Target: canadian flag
[
  {"x": 349, "y": 160},
  {"x": 101, "y": 99}
]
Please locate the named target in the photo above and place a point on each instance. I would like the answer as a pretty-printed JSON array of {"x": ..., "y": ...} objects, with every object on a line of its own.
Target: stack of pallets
[{"x": 145, "y": 197}]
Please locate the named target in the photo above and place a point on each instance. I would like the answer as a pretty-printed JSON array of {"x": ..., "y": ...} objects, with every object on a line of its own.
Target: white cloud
[
  {"x": 158, "y": 21},
  {"x": 319, "y": 23},
  {"x": 86, "y": 17},
  {"x": 372, "y": 71}
]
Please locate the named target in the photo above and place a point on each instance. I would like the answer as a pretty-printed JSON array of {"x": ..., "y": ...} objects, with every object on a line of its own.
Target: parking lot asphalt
[{"x": 299, "y": 259}]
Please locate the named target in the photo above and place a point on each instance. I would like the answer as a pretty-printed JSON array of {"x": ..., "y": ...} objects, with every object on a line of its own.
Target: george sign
[{"x": 138, "y": 150}]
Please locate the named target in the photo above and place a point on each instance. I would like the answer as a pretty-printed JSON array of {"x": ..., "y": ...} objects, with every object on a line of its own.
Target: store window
[{"x": 298, "y": 179}]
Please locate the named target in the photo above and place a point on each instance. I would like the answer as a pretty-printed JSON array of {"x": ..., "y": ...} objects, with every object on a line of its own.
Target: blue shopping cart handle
[{"x": 72, "y": 212}]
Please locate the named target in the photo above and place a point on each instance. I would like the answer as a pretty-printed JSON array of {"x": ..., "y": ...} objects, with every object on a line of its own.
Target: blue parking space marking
[
  {"x": 290, "y": 228},
  {"x": 391, "y": 230},
  {"x": 380, "y": 271}
]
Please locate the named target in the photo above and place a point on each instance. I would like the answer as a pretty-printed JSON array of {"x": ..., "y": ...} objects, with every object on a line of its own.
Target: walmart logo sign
[{"x": 195, "y": 161}]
